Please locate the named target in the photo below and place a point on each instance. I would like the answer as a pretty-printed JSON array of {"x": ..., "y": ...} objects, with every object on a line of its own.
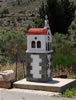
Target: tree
[
  {"x": 14, "y": 44},
  {"x": 60, "y": 14},
  {"x": 19, "y": 2},
  {"x": 4, "y": 12},
  {"x": 42, "y": 10}
]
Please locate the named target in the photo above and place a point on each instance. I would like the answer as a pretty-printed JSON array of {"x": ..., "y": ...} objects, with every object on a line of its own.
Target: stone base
[
  {"x": 39, "y": 67},
  {"x": 5, "y": 84},
  {"x": 56, "y": 85}
]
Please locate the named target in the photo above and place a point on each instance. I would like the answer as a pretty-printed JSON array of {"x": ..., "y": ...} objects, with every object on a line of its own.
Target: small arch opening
[
  {"x": 38, "y": 44},
  {"x": 46, "y": 46},
  {"x": 50, "y": 45},
  {"x": 33, "y": 44}
]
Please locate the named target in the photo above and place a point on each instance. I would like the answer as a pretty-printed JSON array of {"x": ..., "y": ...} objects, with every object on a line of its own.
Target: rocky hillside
[
  {"x": 12, "y": 3},
  {"x": 18, "y": 14}
]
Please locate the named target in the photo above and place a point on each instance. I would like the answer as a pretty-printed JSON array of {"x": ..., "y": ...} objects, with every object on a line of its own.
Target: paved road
[{"x": 21, "y": 94}]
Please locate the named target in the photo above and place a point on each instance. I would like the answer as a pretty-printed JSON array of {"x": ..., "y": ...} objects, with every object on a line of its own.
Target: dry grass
[
  {"x": 64, "y": 71},
  {"x": 20, "y": 70}
]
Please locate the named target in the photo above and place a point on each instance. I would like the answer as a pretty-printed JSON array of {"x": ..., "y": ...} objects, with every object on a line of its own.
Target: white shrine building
[{"x": 39, "y": 40}]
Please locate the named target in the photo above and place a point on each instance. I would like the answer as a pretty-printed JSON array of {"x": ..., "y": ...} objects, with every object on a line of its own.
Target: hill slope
[{"x": 18, "y": 14}]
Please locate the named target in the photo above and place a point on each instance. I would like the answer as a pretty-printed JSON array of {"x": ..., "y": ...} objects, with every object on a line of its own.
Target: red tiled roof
[{"x": 37, "y": 31}]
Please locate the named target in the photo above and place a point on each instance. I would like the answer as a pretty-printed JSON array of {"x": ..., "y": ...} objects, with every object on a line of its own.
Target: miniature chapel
[{"x": 39, "y": 54}]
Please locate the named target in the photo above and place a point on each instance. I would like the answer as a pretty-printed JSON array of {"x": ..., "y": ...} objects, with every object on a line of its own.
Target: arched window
[
  {"x": 38, "y": 44},
  {"x": 33, "y": 44},
  {"x": 48, "y": 33},
  {"x": 48, "y": 38},
  {"x": 48, "y": 46}
]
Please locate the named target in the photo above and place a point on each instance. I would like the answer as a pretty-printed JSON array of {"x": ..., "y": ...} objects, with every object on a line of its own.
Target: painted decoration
[{"x": 35, "y": 66}]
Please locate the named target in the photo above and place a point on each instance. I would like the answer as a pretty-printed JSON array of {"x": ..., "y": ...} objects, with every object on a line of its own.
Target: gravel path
[{"x": 23, "y": 94}]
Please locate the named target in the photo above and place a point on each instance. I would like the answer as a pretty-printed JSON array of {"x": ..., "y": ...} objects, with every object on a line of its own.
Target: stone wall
[{"x": 39, "y": 67}]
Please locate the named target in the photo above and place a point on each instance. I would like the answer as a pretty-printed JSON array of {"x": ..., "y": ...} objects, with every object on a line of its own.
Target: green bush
[
  {"x": 64, "y": 60},
  {"x": 62, "y": 43},
  {"x": 1, "y": 22},
  {"x": 73, "y": 26},
  {"x": 63, "y": 51},
  {"x": 60, "y": 38},
  {"x": 19, "y": 19},
  {"x": 75, "y": 35},
  {"x": 69, "y": 93},
  {"x": 39, "y": 23},
  {"x": 12, "y": 43},
  {"x": 27, "y": 28},
  {"x": 4, "y": 12},
  {"x": 3, "y": 60}
]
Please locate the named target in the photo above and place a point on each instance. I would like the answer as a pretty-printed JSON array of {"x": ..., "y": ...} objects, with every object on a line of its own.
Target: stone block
[
  {"x": 5, "y": 84},
  {"x": 6, "y": 75},
  {"x": 6, "y": 78}
]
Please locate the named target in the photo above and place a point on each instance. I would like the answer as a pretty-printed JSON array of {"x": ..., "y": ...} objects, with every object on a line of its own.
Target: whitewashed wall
[
  {"x": 41, "y": 38},
  {"x": 50, "y": 37}
]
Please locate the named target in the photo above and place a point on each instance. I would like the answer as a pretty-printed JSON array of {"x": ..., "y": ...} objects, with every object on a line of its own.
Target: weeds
[{"x": 69, "y": 93}]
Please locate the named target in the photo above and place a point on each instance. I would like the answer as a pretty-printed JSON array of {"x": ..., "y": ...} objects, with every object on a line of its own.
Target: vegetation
[
  {"x": 60, "y": 14},
  {"x": 69, "y": 93},
  {"x": 63, "y": 60},
  {"x": 15, "y": 22},
  {"x": 27, "y": 28},
  {"x": 64, "y": 56},
  {"x": 3, "y": 12},
  {"x": 12, "y": 47}
]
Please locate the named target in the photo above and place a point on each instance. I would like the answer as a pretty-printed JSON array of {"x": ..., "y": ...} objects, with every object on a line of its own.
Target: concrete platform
[{"x": 56, "y": 85}]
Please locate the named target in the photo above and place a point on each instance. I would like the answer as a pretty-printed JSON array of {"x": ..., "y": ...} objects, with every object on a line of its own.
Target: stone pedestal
[
  {"x": 6, "y": 78},
  {"x": 39, "y": 67},
  {"x": 5, "y": 84}
]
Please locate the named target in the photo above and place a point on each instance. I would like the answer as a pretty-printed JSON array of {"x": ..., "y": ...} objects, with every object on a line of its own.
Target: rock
[
  {"x": 6, "y": 75},
  {"x": 6, "y": 78}
]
